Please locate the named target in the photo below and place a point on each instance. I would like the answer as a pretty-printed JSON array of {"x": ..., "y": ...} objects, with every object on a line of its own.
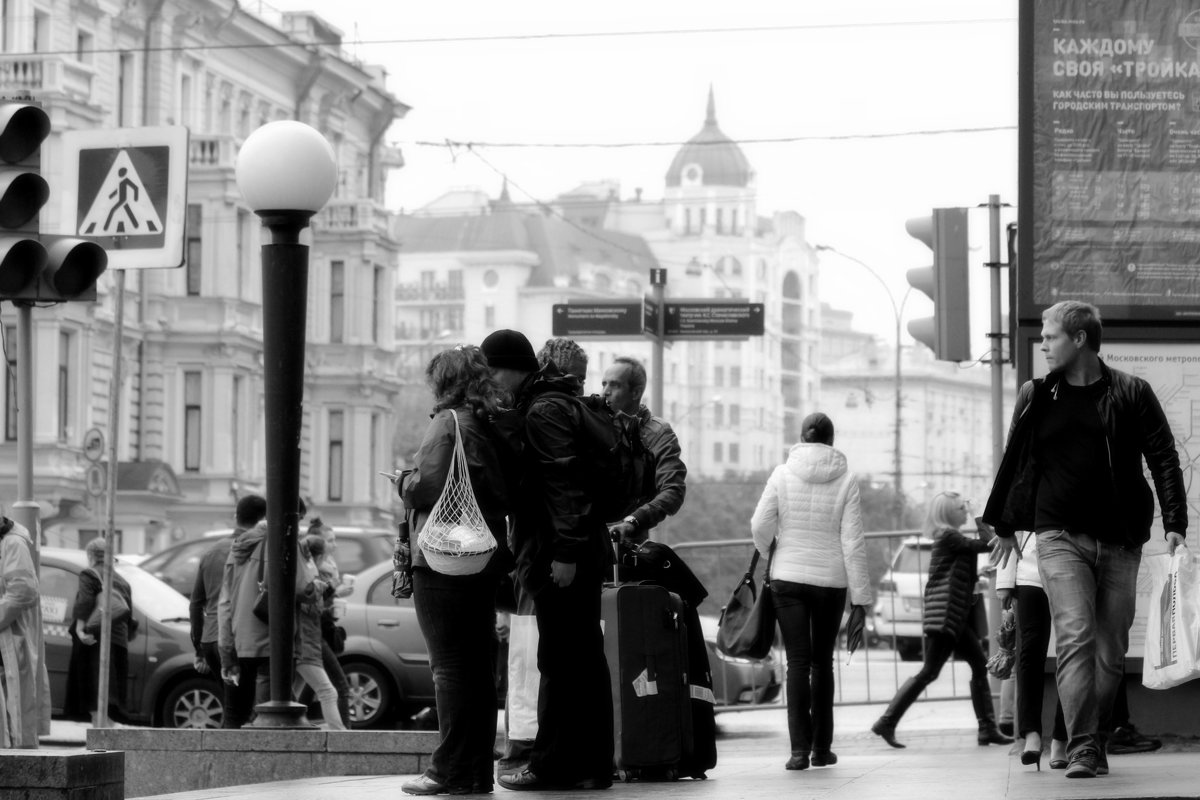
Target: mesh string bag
[{"x": 455, "y": 539}]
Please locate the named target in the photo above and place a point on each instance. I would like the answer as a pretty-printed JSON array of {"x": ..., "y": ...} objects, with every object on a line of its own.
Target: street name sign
[
  {"x": 707, "y": 320},
  {"x": 126, "y": 190},
  {"x": 597, "y": 319},
  {"x": 650, "y": 313}
]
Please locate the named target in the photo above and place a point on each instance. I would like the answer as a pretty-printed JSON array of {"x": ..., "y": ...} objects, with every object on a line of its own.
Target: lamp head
[{"x": 286, "y": 166}]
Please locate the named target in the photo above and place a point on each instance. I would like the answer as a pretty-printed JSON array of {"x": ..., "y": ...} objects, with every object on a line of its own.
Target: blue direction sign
[
  {"x": 698, "y": 319},
  {"x": 597, "y": 319}
]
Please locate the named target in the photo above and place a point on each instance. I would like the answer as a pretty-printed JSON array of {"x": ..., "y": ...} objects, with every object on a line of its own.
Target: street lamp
[
  {"x": 898, "y": 311},
  {"x": 286, "y": 172}
]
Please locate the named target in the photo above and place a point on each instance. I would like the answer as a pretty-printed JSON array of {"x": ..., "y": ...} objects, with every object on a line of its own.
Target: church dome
[{"x": 710, "y": 158}]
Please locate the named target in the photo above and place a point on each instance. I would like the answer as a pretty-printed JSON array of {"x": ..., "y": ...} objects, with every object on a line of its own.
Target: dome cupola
[{"x": 710, "y": 158}]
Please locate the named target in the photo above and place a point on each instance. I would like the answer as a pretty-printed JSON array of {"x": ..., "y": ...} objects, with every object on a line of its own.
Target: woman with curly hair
[{"x": 457, "y": 613}]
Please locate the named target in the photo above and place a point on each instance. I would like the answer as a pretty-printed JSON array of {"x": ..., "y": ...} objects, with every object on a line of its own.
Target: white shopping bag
[
  {"x": 1172, "y": 652},
  {"x": 523, "y": 677}
]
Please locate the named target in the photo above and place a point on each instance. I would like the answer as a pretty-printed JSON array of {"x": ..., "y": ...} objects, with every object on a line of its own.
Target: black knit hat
[
  {"x": 817, "y": 428},
  {"x": 509, "y": 349}
]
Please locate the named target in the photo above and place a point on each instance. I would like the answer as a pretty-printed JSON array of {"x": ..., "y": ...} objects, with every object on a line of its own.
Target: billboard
[{"x": 1110, "y": 157}]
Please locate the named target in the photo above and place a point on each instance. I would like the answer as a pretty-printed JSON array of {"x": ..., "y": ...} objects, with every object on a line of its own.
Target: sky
[{"x": 832, "y": 83}]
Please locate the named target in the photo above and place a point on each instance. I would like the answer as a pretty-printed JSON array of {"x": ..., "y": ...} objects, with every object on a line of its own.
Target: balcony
[
  {"x": 211, "y": 151},
  {"x": 425, "y": 292},
  {"x": 349, "y": 216},
  {"x": 46, "y": 75}
]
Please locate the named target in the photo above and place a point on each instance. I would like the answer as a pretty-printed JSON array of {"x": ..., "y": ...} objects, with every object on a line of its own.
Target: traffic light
[
  {"x": 36, "y": 267},
  {"x": 948, "y": 332}
]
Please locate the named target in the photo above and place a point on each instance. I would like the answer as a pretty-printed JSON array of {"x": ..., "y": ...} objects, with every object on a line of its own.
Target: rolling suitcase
[{"x": 645, "y": 643}]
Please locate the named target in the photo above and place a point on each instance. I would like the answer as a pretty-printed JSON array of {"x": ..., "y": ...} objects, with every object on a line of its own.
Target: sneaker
[
  {"x": 1083, "y": 763},
  {"x": 425, "y": 785},
  {"x": 1126, "y": 739}
]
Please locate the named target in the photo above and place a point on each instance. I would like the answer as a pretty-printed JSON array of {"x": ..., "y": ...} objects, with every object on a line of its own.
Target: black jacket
[
  {"x": 950, "y": 590},
  {"x": 1135, "y": 426}
]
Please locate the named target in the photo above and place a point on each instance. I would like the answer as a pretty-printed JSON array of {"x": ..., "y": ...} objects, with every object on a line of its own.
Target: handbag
[
  {"x": 118, "y": 610},
  {"x": 1000, "y": 664},
  {"x": 261, "y": 600},
  {"x": 1172, "y": 650},
  {"x": 402, "y": 580},
  {"x": 456, "y": 540},
  {"x": 746, "y": 628}
]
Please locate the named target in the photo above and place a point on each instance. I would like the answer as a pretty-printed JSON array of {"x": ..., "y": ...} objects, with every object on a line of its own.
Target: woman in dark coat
[
  {"x": 457, "y": 613},
  {"x": 949, "y": 597},
  {"x": 83, "y": 677}
]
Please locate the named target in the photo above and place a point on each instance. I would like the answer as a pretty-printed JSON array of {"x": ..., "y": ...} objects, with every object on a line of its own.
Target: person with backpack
[
  {"x": 661, "y": 477},
  {"x": 561, "y": 546}
]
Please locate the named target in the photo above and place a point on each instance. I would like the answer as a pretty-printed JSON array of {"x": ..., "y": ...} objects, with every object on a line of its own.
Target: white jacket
[
  {"x": 1022, "y": 571},
  {"x": 811, "y": 503}
]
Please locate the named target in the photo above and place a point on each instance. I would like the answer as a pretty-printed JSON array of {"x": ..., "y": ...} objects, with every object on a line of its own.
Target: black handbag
[
  {"x": 747, "y": 625},
  {"x": 402, "y": 566},
  {"x": 261, "y": 600}
]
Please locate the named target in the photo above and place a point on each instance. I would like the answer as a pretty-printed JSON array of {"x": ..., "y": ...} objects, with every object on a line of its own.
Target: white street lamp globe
[{"x": 286, "y": 166}]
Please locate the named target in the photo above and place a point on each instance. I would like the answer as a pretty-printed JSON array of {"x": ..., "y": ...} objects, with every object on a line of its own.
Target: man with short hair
[
  {"x": 206, "y": 595},
  {"x": 561, "y": 546},
  {"x": 664, "y": 481},
  {"x": 1072, "y": 472}
]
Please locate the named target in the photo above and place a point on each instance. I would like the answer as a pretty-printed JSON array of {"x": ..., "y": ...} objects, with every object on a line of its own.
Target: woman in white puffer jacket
[{"x": 811, "y": 504}]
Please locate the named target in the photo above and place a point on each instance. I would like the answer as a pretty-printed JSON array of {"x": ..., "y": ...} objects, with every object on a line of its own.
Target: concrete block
[
  {"x": 61, "y": 774},
  {"x": 381, "y": 741},
  {"x": 263, "y": 740}
]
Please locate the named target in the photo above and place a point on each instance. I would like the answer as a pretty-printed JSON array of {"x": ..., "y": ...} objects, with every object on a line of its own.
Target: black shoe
[
  {"x": 524, "y": 781},
  {"x": 797, "y": 761},
  {"x": 888, "y": 731},
  {"x": 1006, "y": 728},
  {"x": 425, "y": 785},
  {"x": 1083, "y": 763},
  {"x": 1126, "y": 740},
  {"x": 824, "y": 758},
  {"x": 990, "y": 734}
]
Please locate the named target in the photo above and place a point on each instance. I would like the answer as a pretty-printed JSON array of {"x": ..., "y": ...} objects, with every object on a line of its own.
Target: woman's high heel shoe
[
  {"x": 1058, "y": 754},
  {"x": 1032, "y": 754}
]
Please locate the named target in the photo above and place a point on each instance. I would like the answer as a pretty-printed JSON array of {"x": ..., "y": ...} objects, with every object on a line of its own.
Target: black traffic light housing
[
  {"x": 948, "y": 332},
  {"x": 36, "y": 267}
]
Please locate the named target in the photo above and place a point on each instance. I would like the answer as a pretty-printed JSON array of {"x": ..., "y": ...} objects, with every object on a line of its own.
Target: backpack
[{"x": 612, "y": 448}]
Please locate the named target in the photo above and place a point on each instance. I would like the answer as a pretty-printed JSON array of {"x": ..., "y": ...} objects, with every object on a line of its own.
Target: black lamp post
[{"x": 286, "y": 171}]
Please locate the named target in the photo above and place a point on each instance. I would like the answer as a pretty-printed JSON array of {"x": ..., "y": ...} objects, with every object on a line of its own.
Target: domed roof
[{"x": 710, "y": 158}]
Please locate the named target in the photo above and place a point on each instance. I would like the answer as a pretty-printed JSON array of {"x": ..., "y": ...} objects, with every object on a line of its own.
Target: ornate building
[{"x": 190, "y": 437}]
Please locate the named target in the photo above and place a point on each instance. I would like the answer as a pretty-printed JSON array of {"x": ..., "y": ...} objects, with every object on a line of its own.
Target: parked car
[
  {"x": 164, "y": 688},
  {"x": 740, "y": 681},
  {"x": 357, "y": 548}
]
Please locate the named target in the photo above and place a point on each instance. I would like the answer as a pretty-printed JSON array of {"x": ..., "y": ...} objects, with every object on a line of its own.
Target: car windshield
[
  {"x": 912, "y": 559},
  {"x": 153, "y": 595}
]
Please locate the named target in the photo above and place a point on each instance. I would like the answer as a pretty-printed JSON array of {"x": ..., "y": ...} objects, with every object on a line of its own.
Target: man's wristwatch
[{"x": 632, "y": 520}]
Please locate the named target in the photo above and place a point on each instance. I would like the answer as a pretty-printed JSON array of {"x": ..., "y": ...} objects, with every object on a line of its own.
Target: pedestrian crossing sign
[{"x": 126, "y": 189}]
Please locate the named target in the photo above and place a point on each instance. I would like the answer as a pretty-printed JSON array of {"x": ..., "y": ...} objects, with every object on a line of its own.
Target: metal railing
[{"x": 870, "y": 676}]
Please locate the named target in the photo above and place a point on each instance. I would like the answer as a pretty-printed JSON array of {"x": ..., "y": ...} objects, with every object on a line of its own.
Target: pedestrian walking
[
  {"x": 24, "y": 681},
  {"x": 310, "y": 664},
  {"x": 949, "y": 600},
  {"x": 810, "y": 511},
  {"x": 1073, "y": 473}
]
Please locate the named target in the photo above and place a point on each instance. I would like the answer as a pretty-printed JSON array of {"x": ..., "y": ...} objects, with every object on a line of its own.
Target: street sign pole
[{"x": 658, "y": 283}]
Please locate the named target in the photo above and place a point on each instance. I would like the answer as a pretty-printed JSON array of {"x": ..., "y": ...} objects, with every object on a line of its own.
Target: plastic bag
[
  {"x": 456, "y": 540},
  {"x": 1000, "y": 664},
  {"x": 1172, "y": 654}
]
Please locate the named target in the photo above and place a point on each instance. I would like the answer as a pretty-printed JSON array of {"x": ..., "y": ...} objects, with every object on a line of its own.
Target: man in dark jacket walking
[
  {"x": 663, "y": 482},
  {"x": 1072, "y": 472},
  {"x": 206, "y": 594},
  {"x": 561, "y": 545}
]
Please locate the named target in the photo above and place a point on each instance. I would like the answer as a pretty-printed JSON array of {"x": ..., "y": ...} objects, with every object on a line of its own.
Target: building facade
[{"x": 190, "y": 434}]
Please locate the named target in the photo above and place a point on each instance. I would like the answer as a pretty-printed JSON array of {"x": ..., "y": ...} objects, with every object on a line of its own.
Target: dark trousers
[
  {"x": 212, "y": 657},
  {"x": 575, "y": 711},
  {"x": 1034, "y": 628},
  {"x": 938, "y": 649},
  {"x": 809, "y": 619},
  {"x": 240, "y": 708},
  {"x": 457, "y": 615}
]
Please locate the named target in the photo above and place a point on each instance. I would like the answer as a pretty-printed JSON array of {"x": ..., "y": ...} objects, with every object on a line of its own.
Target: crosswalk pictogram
[{"x": 122, "y": 206}]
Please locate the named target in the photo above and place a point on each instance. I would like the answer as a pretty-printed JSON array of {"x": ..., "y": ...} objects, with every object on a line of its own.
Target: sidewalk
[{"x": 940, "y": 762}]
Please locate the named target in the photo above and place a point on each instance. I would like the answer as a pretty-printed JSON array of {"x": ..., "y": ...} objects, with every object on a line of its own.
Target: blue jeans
[
  {"x": 809, "y": 618},
  {"x": 1092, "y": 588},
  {"x": 457, "y": 615}
]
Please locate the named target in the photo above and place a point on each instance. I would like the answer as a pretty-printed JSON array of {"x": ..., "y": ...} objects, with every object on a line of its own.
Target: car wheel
[
  {"x": 193, "y": 703},
  {"x": 370, "y": 695}
]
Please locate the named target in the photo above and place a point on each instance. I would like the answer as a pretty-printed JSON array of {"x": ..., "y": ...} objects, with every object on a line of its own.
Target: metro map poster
[{"x": 1110, "y": 157}]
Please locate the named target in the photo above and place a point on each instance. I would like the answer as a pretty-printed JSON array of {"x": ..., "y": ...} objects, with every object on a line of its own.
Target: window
[
  {"x": 243, "y": 247},
  {"x": 720, "y": 220},
  {"x": 489, "y": 316},
  {"x": 703, "y": 219},
  {"x": 490, "y": 278},
  {"x": 195, "y": 218},
  {"x": 10, "y": 384},
  {"x": 735, "y": 415},
  {"x": 373, "y": 444},
  {"x": 376, "y": 299},
  {"x": 687, "y": 220},
  {"x": 64, "y": 384},
  {"x": 718, "y": 452},
  {"x": 337, "y": 301},
  {"x": 84, "y": 47},
  {"x": 735, "y": 376},
  {"x": 735, "y": 453},
  {"x": 455, "y": 282},
  {"x": 337, "y": 422},
  {"x": 235, "y": 423},
  {"x": 192, "y": 387},
  {"x": 718, "y": 376}
]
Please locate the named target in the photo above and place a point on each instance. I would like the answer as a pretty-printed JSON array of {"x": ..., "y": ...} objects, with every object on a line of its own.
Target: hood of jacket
[
  {"x": 244, "y": 545},
  {"x": 816, "y": 463}
]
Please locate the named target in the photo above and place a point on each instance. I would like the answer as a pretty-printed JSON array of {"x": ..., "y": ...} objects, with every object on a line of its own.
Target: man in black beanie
[{"x": 561, "y": 546}]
